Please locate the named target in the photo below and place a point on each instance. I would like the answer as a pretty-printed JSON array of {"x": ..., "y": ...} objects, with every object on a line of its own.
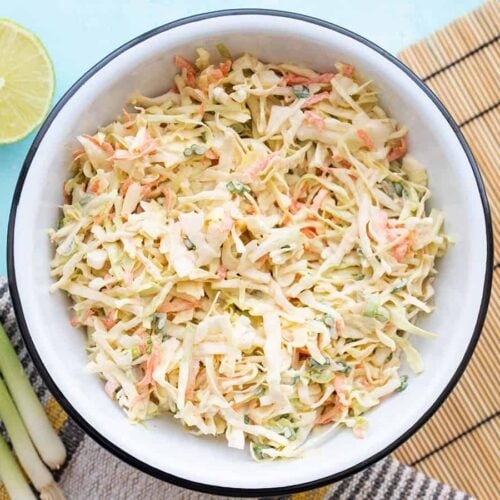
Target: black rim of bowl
[{"x": 186, "y": 483}]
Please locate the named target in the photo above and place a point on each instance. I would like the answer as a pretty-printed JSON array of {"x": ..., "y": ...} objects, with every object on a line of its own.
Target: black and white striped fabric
[{"x": 93, "y": 473}]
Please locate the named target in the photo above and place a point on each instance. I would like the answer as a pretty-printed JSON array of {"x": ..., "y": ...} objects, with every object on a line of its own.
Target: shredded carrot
[
  {"x": 367, "y": 140},
  {"x": 178, "y": 305},
  {"x": 261, "y": 165},
  {"x": 94, "y": 186},
  {"x": 310, "y": 232},
  {"x": 315, "y": 99},
  {"x": 167, "y": 199},
  {"x": 105, "y": 146},
  {"x": 341, "y": 161},
  {"x": 184, "y": 64},
  {"x": 399, "y": 150},
  {"x": 221, "y": 272},
  {"x": 330, "y": 414},
  {"x": 315, "y": 119},
  {"x": 151, "y": 364},
  {"x": 212, "y": 155},
  {"x": 77, "y": 153},
  {"x": 193, "y": 373},
  {"x": 225, "y": 67},
  {"x": 125, "y": 186},
  {"x": 111, "y": 319},
  {"x": 318, "y": 199},
  {"x": 292, "y": 79}
]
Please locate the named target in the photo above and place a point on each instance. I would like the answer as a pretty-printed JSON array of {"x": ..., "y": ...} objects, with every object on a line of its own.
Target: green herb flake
[
  {"x": 301, "y": 91},
  {"x": 237, "y": 187},
  {"x": 404, "y": 383},
  {"x": 223, "y": 50},
  {"x": 359, "y": 277},
  {"x": 295, "y": 379},
  {"x": 246, "y": 419},
  {"x": 135, "y": 351},
  {"x": 343, "y": 367},
  {"x": 398, "y": 188},
  {"x": 258, "y": 451},
  {"x": 159, "y": 322}
]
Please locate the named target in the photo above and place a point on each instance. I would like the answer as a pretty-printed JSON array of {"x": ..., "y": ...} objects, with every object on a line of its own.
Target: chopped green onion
[
  {"x": 223, "y": 50},
  {"x": 45, "y": 438},
  {"x": 404, "y": 383},
  {"x": 295, "y": 379},
  {"x": 12, "y": 475},
  {"x": 25, "y": 451},
  {"x": 149, "y": 343},
  {"x": 398, "y": 188},
  {"x": 237, "y": 187},
  {"x": 135, "y": 351},
  {"x": 358, "y": 277},
  {"x": 159, "y": 322},
  {"x": 60, "y": 223},
  {"x": 320, "y": 372},
  {"x": 198, "y": 150},
  {"x": 301, "y": 91},
  {"x": 343, "y": 367},
  {"x": 317, "y": 364},
  {"x": 188, "y": 243},
  {"x": 246, "y": 419},
  {"x": 195, "y": 150},
  {"x": 373, "y": 309},
  {"x": 258, "y": 449}
]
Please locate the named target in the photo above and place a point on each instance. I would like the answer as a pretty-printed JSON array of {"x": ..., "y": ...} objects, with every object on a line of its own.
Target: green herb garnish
[
  {"x": 195, "y": 150},
  {"x": 223, "y": 50},
  {"x": 237, "y": 187},
  {"x": 404, "y": 383},
  {"x": 301, "y": 91}
]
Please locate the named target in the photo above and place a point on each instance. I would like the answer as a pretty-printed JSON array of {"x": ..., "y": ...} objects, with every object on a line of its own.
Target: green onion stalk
[
  {"x": 12, "y": 476},
  {"x": 35, "y": 469},
  {"x": 44, "y": 437}
]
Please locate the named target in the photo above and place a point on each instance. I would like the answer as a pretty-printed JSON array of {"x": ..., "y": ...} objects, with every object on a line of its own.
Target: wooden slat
[{"x": 460, "y": 63}]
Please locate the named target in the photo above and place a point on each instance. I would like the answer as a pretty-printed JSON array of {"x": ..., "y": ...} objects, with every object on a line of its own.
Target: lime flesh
[{"x": 26, "y": 82}]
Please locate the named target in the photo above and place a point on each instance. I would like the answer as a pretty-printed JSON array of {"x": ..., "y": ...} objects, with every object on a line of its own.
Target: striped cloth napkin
[{"x": 91, "y": 472}]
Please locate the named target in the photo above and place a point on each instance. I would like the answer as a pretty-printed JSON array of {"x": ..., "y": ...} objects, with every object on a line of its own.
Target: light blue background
[{"x": 78, "y": 33}]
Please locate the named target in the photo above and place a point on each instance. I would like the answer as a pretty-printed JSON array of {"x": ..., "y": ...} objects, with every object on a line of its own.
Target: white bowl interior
[{"x": 148, "y": 66}]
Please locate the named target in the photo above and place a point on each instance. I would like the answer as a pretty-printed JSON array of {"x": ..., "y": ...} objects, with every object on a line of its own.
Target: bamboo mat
[{"x": 460, "y": 444}]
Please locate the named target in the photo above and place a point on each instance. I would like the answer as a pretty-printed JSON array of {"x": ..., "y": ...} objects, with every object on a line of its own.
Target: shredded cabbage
[{"x": 249, "y": 252}]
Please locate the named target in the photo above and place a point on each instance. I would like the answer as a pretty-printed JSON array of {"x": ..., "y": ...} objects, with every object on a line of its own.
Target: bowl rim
[{"x": 116, "y": 450}]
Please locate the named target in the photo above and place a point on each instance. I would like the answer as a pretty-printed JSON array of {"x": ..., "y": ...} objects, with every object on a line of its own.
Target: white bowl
[{"x": 163, "y": 448}]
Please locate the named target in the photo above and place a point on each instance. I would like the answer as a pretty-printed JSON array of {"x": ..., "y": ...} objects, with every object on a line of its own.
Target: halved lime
[{"x": 26, "y": 82}]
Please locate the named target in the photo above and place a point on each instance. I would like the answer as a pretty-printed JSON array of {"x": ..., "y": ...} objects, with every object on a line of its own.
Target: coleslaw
[{"x": 249, "y": 252}]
